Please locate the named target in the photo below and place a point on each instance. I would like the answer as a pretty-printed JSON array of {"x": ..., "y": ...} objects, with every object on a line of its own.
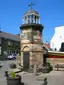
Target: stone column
[
  {"x": 35, "y": 64},
  {"x": 35, "y": 69},
  {"x": 31, "y": 59},
  {"x": 22, "y": 58}
]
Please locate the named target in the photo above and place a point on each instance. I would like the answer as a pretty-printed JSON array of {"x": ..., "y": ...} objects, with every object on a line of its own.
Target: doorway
[{"x": 26, "y": 60}]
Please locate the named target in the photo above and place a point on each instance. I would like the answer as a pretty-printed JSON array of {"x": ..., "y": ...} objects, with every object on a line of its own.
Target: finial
[{"x": 31, "y": 4}]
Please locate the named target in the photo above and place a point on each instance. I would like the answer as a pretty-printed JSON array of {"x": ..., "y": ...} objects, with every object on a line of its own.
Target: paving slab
[{"x": 16, "y": 70}]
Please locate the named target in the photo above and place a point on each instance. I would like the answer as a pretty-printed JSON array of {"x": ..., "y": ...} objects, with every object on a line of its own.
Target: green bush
[
  {"x": 12, "y": 74},
  {"x": 50, "y": 68},
  {"x": 12, "y": 65},
  {"x": 48, "y": 64}
]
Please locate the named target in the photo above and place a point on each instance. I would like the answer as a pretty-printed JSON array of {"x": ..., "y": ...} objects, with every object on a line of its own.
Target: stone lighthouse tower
[{"x": 31, "y": 39}]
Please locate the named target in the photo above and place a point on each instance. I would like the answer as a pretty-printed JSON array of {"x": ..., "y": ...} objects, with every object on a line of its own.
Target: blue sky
[{"x": 51, "y": 15}]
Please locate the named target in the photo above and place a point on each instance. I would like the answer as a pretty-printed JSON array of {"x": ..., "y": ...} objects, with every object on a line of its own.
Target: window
[
  {"x": 28, "y": 16},
  {"x": 10, "y": 42},
  {"x": 31, "y": 16}
]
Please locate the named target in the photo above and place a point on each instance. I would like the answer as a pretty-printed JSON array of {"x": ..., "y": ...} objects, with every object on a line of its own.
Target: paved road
[{"x": 54, "y": 77}]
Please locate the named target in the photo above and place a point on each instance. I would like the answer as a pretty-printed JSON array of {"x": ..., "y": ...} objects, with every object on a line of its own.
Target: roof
[
  {"x": 48, "y": 45},
  {"x": 31, "y": 11},
  {"x": 55, "y": 53},
  {"x": 38, "y": 26},
  {"x": 9, "y": 36},
  {"x": 46, "y": 48}
]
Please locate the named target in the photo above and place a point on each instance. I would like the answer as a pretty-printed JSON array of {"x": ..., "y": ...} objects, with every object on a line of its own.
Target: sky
[{"x": 51, "y": 15}]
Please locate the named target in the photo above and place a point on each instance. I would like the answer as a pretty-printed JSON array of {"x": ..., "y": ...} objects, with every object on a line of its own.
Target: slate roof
[{"x": 9, "y": 36}]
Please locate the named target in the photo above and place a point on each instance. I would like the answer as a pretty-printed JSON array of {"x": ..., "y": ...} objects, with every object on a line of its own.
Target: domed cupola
[{"x": 31, "y": 16}]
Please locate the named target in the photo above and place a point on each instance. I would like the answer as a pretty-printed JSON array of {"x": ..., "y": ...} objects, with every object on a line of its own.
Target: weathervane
[{"x": 31, "y": 4}]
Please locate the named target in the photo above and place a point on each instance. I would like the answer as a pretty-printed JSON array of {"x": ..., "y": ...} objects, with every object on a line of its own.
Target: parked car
[{"x": 11, "y": 57}]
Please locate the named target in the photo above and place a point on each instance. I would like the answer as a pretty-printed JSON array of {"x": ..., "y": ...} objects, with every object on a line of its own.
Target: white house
[{"x": 58, "y": 38}]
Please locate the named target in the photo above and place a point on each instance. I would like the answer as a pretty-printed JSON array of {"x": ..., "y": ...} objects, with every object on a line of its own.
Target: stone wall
[
  {"x": 36, "y": 53},
  {"x": 55, "y": 61}
]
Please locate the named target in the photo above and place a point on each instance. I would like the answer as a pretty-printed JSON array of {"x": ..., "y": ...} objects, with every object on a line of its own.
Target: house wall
[
  {"x": 57, "y": 38},
  {"x": 9, "y": 46},
  {"x": 55, "y": 59}
]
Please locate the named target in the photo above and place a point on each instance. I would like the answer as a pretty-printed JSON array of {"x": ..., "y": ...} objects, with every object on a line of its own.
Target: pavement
[{"x": 53, "y": 78}]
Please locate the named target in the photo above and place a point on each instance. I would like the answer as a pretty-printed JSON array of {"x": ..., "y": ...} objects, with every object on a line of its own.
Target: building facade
[
  {"x": 58, "y": 38},
  {"x": 9, "y": 44}
]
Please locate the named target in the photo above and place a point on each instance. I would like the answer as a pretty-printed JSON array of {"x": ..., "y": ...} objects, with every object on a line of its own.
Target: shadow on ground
[{"x": 22, "y": 83}]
